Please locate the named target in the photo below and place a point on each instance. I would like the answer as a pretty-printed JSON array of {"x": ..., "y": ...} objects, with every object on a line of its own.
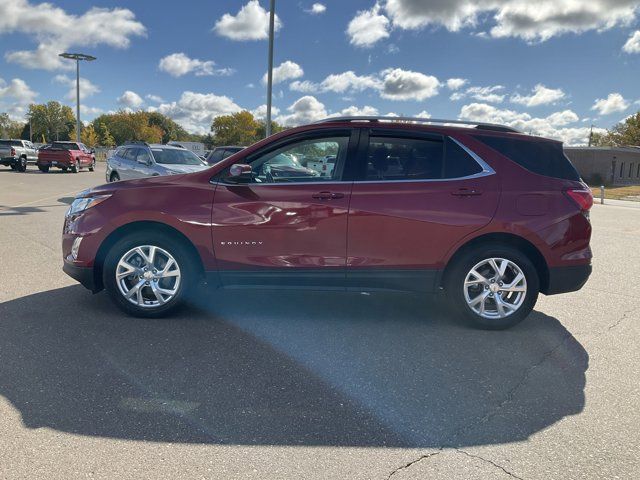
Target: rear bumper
[
  {"x": 84, "y": 275},
  {"x": 567, "y": 279}
]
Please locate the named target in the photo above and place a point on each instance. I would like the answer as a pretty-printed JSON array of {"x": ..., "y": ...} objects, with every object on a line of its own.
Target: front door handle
[
  {"x": 466, "y": 192},
  {"x": 327, "y": 195}
]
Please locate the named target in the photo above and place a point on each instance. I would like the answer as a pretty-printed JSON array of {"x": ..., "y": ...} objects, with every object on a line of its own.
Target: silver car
[{"x": 141, "y": 160}]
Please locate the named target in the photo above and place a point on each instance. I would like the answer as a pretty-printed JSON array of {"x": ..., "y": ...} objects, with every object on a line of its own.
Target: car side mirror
[
  {"x": 146, "y": 162},
  {"x": 240, "y": 173}
]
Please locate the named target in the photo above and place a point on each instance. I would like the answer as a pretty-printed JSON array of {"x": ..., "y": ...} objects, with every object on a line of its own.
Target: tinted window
[
  {"x": 302, "y": 161},
  {"x": 538, "y": 156},
  {"x": 130, "y": 154},
  {"x": 143, "y": 156},
  {"x": 175, "y": 156},
  {"x": 391, "y": 158},
  {"x": 12, "y": 143},
  {"x": 216, "y": 155},
  {"x": 458, "y": 163}
]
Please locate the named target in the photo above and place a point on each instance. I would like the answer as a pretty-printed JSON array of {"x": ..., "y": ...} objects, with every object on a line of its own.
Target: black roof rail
[
  {"x": 136, "y": 142},
  {"x": 429, "y": 121}
]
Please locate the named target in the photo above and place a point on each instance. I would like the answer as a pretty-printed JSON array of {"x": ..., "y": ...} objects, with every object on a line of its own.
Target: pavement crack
[
  {"x": 491, "y": 462},
  {"x": 512, "y": 392},
  {"x": 413, "y": 462},
  {"x": 621, "y": 319}
]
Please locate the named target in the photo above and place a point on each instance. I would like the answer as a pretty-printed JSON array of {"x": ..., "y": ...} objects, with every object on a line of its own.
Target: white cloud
[
  {"x": 57, "y": 31},
  {"x": 456, "y": 83},
  {"x": 423, "y": 114},
  {"x": 401, "y": 84},
  {"x": 552, "y": 126},
  {"x": 285, "y": 71},
  {"x": 130, "y": 99},
  {"x": 87, "y": 89},
  {"x": 317, "y": 9},
  {"x": 261, "y": 112},
  {"x": 633, "y": 44},
  {"x": 195, "y": 111},
  {"x": 250, "y": 23},
  {"x": 353, "y": 111},
  {"x": 612, "y": 104},
  {"x": 541, "y": 95},
  {"x": 339, "y": 83},
  {"x": 179, "y": 64},
  {"x": 15, "y": 97},
  {"x": 154, "y": 98},
  {"x": 532, "y": 21},
  {"x": 368, "y": 27},
  {"x": 306, "y": 109},
  {"x": 482, "y": 94}
]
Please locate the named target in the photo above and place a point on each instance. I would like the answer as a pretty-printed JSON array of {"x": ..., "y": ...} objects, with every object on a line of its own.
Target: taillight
[{"x": 582, "y": 196}]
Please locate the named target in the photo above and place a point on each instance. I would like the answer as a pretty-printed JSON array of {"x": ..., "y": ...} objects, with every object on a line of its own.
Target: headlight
[{"x": 81, "y": 204}]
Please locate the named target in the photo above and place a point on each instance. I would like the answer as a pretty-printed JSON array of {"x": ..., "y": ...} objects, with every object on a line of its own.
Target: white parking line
[{"x": 11, "y": 207}]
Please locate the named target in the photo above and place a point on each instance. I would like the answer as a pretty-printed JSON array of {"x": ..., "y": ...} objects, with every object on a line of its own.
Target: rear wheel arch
[
  {"x": 510, "y": 240},
  {"x": 137, "y": 227}
]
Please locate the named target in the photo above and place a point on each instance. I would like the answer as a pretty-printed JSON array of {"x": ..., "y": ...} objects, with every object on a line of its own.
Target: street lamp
[
  {"x": 270, "y": 72},
  {"x": 77, "y": 57}
]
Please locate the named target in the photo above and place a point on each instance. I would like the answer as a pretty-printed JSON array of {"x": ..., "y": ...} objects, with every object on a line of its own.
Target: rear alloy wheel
[
  {"x": 43, "y": 168},
  {"x": 75, "y": 168},
  {"x": 148, "y": 275},
  {"x": 494, "y": 288},
  {"x": 114, "y": 177}
]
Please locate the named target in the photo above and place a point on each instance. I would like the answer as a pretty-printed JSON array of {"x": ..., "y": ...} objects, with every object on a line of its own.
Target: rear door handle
[
  {"x": 466, "y": 192},
  {"x": 327, "y": 195}
]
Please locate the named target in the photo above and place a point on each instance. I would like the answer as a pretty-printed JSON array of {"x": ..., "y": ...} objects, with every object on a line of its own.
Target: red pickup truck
[{"x": 66, "y": 156}]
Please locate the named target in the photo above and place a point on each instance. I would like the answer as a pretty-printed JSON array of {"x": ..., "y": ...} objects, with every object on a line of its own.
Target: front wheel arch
[
  {"x": 513, "y": 241},
  {"x": 137, "y": 227}
]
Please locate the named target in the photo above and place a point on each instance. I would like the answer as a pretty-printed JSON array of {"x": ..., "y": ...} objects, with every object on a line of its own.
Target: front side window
[
  {"x": 302, "y": 161},
  {"x": 143, "y": 156},
  {"x": 390, "y": 158}
]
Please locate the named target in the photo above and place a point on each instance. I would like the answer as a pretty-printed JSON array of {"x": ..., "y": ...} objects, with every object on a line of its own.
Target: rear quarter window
[{"x": 538, "y": 156}]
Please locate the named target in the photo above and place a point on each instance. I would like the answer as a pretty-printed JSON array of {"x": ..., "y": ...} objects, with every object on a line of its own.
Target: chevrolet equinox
[{"x": 482, "y": 213}]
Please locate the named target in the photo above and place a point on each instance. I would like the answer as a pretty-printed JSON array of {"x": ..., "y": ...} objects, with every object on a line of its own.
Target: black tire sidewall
[
  {"x": 179, "y": 252},
  {"x": 462, "y": 266}
]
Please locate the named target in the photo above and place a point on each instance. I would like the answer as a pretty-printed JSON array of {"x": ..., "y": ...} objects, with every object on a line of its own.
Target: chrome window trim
[{"x": 486, "y": 171}]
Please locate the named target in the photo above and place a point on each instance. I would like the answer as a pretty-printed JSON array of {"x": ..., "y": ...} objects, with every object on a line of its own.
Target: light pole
[
  {"x": 272, "y": 10},
  {"x": 77, "y": 57}
]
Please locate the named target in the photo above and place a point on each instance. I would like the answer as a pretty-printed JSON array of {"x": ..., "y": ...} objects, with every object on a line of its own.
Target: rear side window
[
  {"x": 541, "y": 157},
  {"x": 458, "y": 163},
  {"x": 390, "y": 158}
]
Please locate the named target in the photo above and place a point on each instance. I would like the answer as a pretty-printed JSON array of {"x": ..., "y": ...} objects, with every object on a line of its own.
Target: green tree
[
  {"x": 623, "y": 134},
  {"x": 51, "y": 121},
  {"x": 262, "y": 128},
  {"x": 170, "y": 129},
  {"x": 105, "y": 138},
  {"x": 10, "y": 128},
  {"x": 88, "y": 136},
  {"x": 237, "y": 129}
]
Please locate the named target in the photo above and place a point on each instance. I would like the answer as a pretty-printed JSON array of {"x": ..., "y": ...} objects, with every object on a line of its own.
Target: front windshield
[{"x": 174, "y": 156}]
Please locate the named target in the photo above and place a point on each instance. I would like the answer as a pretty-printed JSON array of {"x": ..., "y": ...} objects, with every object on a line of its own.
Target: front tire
[
  {"x": 43, "y": 168},
  {"x": 493, "y": 287},
  {"x": 149, "y": 274}
]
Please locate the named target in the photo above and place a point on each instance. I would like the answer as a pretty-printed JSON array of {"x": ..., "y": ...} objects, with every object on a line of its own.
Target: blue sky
[{"x": 552, "y": 68}]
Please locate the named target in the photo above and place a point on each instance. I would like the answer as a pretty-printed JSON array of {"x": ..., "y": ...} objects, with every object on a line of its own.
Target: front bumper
[
  {"x": 567, "y": 279},
  {"x": 84, "y": 275}
]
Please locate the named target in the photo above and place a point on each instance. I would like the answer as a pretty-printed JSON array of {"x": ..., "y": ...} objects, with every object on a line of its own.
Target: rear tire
[
  {"x": 75, "y": 168},
  {"x": 486, "y": 299},
  {"x": 93, "y": 166},
  {"x": 43, "y": 168},
  {"x": 152, "y": 301},
  {"x": 13, "y": 166},
  {"x": 114, "y": 177},
  {"x": 22, "y": 164}
]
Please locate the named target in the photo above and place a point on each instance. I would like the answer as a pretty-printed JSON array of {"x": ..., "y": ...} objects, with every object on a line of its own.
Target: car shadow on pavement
[{"x": 295, "y": 368}]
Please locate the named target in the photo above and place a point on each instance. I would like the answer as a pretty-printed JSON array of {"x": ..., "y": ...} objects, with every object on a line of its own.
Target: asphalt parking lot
[{"x": 315, "y": 385}]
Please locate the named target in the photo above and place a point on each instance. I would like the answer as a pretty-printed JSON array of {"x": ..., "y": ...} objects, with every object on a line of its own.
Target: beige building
[{"x": 606, "y": 165}]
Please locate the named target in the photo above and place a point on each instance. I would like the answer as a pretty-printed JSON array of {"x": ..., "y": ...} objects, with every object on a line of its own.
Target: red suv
[{"x": 481, "y": 212}]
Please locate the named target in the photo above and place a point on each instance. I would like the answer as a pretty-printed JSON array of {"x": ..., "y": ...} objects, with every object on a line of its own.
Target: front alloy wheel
[{"x": 148, "y": 276}]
